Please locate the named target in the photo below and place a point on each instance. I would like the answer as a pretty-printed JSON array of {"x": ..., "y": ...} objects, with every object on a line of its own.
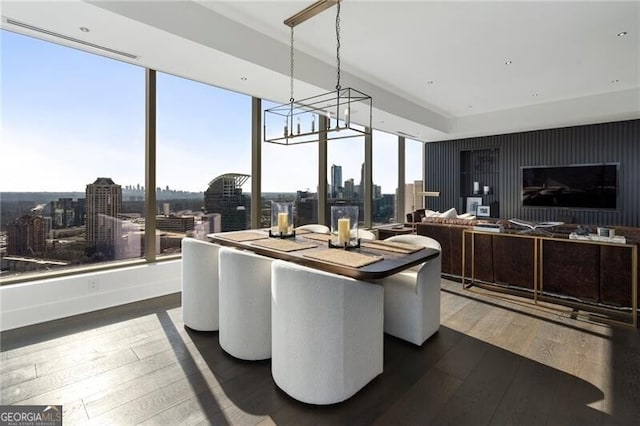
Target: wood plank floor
[{"x": 493, "y": 362}]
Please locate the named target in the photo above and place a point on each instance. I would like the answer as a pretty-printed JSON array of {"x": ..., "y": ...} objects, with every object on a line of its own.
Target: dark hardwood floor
[{"x": 493, "y": 362}]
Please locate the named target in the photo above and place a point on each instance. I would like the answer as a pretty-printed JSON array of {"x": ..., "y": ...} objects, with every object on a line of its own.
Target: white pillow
[
  {"x": 465, "y": 216},
  {"x": 431, "y": 213},
  {"x": 451, "y": 214}
]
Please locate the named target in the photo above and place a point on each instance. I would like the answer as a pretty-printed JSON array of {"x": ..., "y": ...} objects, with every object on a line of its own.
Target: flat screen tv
[{"x": 588, "y": 186}]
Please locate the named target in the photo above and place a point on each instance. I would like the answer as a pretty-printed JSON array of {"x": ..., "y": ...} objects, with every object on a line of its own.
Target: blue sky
[{"x": 69, "y": 117}]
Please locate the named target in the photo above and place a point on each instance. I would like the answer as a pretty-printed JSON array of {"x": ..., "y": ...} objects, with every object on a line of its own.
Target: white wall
[{"x": 48, "y": 299}]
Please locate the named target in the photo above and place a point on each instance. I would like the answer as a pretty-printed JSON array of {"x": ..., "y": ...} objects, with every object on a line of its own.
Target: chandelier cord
[
  {"x": 338, "y": 46},
  {"x": 291, "y": 66}
]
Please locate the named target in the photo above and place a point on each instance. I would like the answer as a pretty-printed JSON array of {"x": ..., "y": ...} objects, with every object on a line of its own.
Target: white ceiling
[{"x": 567, "y": 53}]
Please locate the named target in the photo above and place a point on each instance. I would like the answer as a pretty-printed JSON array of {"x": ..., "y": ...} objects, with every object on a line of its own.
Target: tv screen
[{"x": 592, "y": 186}]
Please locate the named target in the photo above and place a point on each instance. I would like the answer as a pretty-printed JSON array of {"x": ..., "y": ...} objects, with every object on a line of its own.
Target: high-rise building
[
  {"x": 209, "y": 223},
  {"x": 384, "y": 209},
  {"x": 377, "y": 192},
  {"x": 306, "y": 208},
  {"x": 104, "y": 229},
  {"x": 67, "y": 212},
  {"x": 413, "y": 200},
  {"x": 26, "y": 236},
  {"x": 349, "y": 190},
  {"x": 336, "y": 181},
  {"x": 179, "y": 224},
  {"x": 224, "y": 196}
]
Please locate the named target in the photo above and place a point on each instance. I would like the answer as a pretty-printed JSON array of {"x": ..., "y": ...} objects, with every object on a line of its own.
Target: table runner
[
  {"x": 283, "y": 245},
  {"x": 245, "y": 236},
  {"x": 344, "y": 257}
]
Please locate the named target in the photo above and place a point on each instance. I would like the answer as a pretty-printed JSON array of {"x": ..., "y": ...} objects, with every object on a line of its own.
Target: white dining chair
[
  {"x": 314, "y": 227},
  {"x": 200, "y": 284},
  {"x": 245, "y": 304},
  {"x": 327, "y": 333},
  {"x": 412, "y": 297},
  {"x": 363, "y": 234}
]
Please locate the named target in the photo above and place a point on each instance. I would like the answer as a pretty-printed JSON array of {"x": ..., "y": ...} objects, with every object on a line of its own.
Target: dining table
[{"x": 372, "y": 260}]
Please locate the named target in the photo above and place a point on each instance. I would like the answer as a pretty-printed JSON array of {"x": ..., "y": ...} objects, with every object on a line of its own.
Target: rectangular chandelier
[{"x": 346, "y": 113}]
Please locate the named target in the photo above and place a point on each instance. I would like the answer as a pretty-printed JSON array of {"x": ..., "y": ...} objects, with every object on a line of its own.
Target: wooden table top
[{"x": 391, "y": 263}]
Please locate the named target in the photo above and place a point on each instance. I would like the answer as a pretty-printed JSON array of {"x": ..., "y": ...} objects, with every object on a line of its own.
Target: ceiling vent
[{"x": 67, "y": 38}]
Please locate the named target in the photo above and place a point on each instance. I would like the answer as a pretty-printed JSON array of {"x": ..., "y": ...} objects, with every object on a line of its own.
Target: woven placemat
[
  {"x": 283, "y": 245},
  {"x": 393, "y": 246},
  {"x": 344, "y": 257},
  {"x": 319, "y": 237},
  {"x": 244, "y": 236}
]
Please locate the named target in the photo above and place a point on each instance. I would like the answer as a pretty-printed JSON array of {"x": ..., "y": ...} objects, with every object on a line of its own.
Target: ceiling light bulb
[
  {"x": 535, "y": 94},
  {"x": 430, "y": 82},
  {"x": 622, "y": 33},
  {"x": 615, "y": 81},
  {"x": 508, "y": 62},
  {"x": 86, "y": 30},
  {"x": 243, "y": 78}
]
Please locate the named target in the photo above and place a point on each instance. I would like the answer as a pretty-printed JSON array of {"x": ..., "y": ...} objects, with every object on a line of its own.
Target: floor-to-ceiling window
[
  {"x": 72, "y": 168},
  {"x": 345, "y": 173},
  {"x": 385, "y": 177},
  {"x": 203, "y": 161},
  {"x": 290, "y": 174},
  {"x": 414, "y": 170}
]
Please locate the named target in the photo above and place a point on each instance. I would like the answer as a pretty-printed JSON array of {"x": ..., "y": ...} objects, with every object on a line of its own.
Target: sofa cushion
[{"x": 466, "y": 216}]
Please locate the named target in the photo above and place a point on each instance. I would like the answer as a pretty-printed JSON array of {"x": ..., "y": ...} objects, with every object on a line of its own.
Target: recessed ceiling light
[
  {"x": 535, "y": 94},
  {"x": 243, "y": 78},
  {"x": 622, "y": 33},
  {"x": 430, "y": 82},
  {"x": 509, "y": 62},
  {"x": 84, "y": 29},
  {"x": 469, "y": 106},
  {"x": 615, "y": 81}
]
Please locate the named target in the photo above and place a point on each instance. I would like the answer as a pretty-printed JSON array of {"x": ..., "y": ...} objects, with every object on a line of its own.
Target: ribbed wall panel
[{"x": 617, "y": 142}]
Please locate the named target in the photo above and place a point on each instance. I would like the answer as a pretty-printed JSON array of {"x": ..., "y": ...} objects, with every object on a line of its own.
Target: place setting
[{"x": 343, "y": 240}]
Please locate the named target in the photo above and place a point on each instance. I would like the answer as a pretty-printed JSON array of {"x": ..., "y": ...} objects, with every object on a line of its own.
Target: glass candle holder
[
  {"x": 344, "y": 225},
  {"x": 281, "y": 219}
]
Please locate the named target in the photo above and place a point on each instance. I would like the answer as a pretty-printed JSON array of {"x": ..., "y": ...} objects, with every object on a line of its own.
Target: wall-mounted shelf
[{"x": 482, "y": 166}]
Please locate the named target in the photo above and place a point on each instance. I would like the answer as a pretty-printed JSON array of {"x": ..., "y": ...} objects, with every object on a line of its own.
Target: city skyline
[{"x": 90, "y": 114}]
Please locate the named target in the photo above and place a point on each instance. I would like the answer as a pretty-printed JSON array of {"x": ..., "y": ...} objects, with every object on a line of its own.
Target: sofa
[{"x": 594, "y": 273}]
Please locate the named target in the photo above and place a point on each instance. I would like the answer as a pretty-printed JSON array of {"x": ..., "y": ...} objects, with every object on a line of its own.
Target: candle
[
  {"x": 476, "y": 187},
  {"x": 283, "y": 222},
  {"x": 344, "y": 229},
  {"x": 486, "y": 189}
]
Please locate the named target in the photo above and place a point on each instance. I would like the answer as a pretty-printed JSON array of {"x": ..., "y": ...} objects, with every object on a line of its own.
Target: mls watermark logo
[{"x": 30, "y": 415}]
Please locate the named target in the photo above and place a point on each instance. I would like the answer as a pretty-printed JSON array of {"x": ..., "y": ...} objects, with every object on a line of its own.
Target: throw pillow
[{"x": 451, "y": 213}]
